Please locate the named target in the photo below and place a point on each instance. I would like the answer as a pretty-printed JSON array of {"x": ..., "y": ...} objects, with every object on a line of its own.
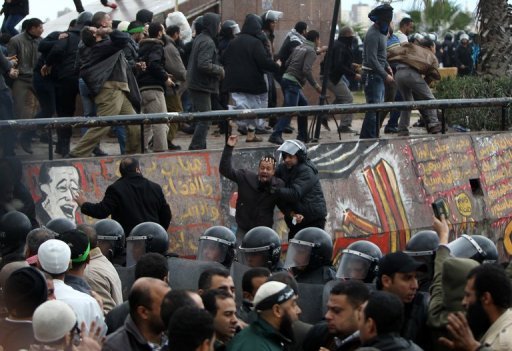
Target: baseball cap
[
  {"x": 54, "y": 256},
  {"x": 52, "y": 321},
  {"x": 272, "y": 293},
  {"x": 399, "y": 262}
]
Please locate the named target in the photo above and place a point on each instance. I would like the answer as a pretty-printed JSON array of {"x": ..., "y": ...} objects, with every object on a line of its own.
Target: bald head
[
  {"x": 145, "y": 299},
  {"x": 129, "y": 165}
]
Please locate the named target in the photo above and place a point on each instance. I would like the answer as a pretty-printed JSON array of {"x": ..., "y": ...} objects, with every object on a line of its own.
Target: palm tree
[
  {"x": 495, "y": 21},
  {"x": 440, "y": 16}
]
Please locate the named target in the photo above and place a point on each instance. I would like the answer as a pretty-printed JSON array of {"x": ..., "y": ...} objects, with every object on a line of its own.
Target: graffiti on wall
[{"x": 376, "y": 190}]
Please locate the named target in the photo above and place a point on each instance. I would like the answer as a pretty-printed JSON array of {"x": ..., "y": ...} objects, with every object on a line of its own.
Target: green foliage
[
  {"x": 475, "y": 87},
  {"x": 440, "y": 16}
]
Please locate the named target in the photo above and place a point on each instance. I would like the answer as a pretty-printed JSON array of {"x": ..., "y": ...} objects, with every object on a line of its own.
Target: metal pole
[
  {"x": 443, "y": 122},
  {"x": 327, "y": 63},
  {"x": 50, "y": 144},
  {"x": 142, "y": 138},
  {"x": 503, "y": 117}
]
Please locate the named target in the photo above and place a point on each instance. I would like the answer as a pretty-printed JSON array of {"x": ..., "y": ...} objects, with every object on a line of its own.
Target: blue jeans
[
  {"x": 293, "y": 96},
  {"x": 374, "y": 93},
  {"x": 89, "y": 108},
  {"x": 7, "y": 134},
  {"x": 10, "y": 22}
]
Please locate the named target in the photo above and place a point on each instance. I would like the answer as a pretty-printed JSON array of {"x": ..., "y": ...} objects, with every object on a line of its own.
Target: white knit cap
[
  {"x": 54, "y": 256},
  {"x": 52, "y": 321},
  {"x": 272, "y": 293}
]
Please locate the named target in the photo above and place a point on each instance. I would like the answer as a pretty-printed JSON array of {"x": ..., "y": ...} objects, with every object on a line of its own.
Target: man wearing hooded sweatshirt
[
  {"x": 153, "y": 82},
  {"x": 203, "y": 76},
  {"x": 376, "y": 70},
  {"x": 245, "y": 61}
]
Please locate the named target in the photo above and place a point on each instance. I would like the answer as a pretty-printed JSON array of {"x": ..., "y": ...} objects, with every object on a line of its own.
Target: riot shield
[{"x": 184, "y": 273}]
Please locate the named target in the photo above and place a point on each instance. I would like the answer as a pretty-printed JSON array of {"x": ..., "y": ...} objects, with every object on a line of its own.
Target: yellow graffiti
[
  {"x": 463, "y": 204},
  {"x": 199, "y": 211},
  {"x": 192, "y": 186},
  {"x": 507, "y": 241}
]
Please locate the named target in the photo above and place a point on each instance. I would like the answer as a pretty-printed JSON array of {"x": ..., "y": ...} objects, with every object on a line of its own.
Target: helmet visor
[
  {"x": 354, "y": 265},
  {"x": 255, "y": 257},
  {"x": 211, "y": 249},
  {"x": 464, "y": 247},
  {"x": 299, "y": 254},
  {"x": 135, "y": 249}
]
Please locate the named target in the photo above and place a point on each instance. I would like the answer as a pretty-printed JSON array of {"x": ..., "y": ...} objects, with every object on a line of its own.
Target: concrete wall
[{"x": 378, "y": 190}]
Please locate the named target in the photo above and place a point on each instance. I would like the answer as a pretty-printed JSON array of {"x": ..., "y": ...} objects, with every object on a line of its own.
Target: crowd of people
[
  {"x": 151, "y": 67},
  {"x": 116, "y": 285}
]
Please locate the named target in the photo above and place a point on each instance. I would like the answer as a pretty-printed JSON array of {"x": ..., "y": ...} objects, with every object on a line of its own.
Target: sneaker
[
  {"x": 420, "y": 124},
  {"x": 242, "y": 130},
  {"x": 173, "y": 147},
  {"x": 403, "y": 132},
  {"x": 276, "y": 139},
  {"x": 254, "y": 139},
  {"x": 288, "y": 130},
  {"x": 98, "y": 152},
  {"x": 434, "y": 129},
  {"x": 345, "y": 129},
  {"x": 263, "y": 131},
  {"x": 390, "y": 130}
]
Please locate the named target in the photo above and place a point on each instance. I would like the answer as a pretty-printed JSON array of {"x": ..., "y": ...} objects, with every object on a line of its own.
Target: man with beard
[
  {"x": 255, "y": 204},
  {"x": 143, "y": 328},
  {"x": 487, "y": 300},
  {"x": 59, "y": 182},
  {"x": 222, "y": 307},
  {"x": 276, "y": 305},
  {"x": 340, "y": 330},
  {"x": 397, "y": 275},
  {"x": 380, "y": 322}
]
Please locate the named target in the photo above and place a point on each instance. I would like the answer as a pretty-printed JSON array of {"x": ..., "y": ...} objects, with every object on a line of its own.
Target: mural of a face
[{"x": 64, "y": 182}]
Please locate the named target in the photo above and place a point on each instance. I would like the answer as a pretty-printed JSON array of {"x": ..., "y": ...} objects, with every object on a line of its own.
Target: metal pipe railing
[{"x": 175, "y": 117}]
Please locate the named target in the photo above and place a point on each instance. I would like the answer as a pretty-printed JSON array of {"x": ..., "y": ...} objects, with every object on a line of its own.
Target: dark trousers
[
  {"x": 294, "y": 229},
  {"x": 201, "y": 102},
  {"x": 7, "y": 134}
]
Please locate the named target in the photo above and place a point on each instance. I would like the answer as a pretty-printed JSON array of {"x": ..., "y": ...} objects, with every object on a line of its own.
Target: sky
[{"x": 47, "y": 9}]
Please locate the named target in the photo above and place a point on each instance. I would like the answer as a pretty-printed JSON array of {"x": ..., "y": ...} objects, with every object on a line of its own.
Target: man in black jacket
[
  {"x": 245, "y": 61},
  {"x": 113, "y": 86},
  {"x": 341, "y": 68},
  {"x": 380, "y": 323},
  {"x": 303, "y": 192},
  {"x": 255, "y": 204},
  {"x": 203, "y": 75},
  {"x": 131, "y": 200},
  {"x": 153, "y": 82}
]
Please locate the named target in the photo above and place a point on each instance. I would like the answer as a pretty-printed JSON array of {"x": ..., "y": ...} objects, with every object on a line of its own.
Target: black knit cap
[
  {"x": 25, "y": 290},
  {"x": 382, "y": 12}
]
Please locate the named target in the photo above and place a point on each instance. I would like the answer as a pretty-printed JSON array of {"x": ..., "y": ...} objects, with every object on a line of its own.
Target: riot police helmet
[
  {"x": 110, "y": 236},
  {"x": 146, "y": 237},
  {"x": 360, "y": 260},
  {"x": 60, "y": 225},
  {"x": 217, "y": 244},
  {"x": 310, "y": 247},
  {"x": 261, "y": 247},
  {"x": 423, "y": 243},
  {"x": 477, "y": 247}
]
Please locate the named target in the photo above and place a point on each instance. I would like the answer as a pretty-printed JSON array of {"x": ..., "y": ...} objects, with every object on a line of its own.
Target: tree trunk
[{"x": 495, "y": 21}]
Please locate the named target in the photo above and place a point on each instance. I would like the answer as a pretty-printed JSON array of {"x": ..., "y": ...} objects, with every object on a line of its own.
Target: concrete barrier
[{"x": 379, "y": 190}]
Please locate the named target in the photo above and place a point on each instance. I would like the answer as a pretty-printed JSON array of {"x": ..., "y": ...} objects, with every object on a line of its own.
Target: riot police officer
[
  {"x": 60, "y": 225},
  {"x": 145, "y": 237},
  {"x": 14, "y": 227},
  {"x": 217, "y": 244},
  {"x": 360, "y": 260},
  {"x": 110, "y": 236},
  {"x": 261, "y": 247},
  {"x": 422, "y": 247},
  {"x": 476, "y": 247},
  {"x": 309, "y": 256}
]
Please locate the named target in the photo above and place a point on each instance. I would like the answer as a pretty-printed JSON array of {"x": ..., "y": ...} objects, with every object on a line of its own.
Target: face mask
[{"x": 384, "y": 28}]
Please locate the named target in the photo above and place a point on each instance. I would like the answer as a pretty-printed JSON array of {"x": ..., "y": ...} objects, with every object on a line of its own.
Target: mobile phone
[{"x": 440, "y": 208}]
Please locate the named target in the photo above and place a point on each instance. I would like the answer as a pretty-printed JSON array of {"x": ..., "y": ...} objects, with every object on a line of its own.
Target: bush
[{"x": 472, "y": 88}]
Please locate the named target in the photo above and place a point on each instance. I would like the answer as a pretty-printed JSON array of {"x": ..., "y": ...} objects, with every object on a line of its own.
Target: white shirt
[
  {"x": 401, "y": 37},
  {"x": 85, "y": 306}
]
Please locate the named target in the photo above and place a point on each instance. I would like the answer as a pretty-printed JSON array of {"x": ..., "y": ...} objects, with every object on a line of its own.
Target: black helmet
[
  {"x": 217, "y": 244},
  {"x": 365, "y": 255},
  {"x": 110, "y": 237},
  {"x": 271, "y": 16},
  {"x": 294, "y": 147},
  {"x": 14, "y": 227},
  {"x": 310, "y": 247},
  {"x": 261, "y": 242},
  {"x": 423, "y": 243},
  {"x": 60, "y": 225},
  {"x": 229, "y": 28},
  {"x": 146, "y": 237},
  {"x": 476, "y": 247}
]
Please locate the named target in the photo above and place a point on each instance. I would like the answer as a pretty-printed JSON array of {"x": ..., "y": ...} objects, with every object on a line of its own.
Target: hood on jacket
[
  {"x": 311, "y": 165},
  {"x": 151, "y": 41},
  {"x": 144, "y": 16},
  {"x": 253, "y": 24},
  {"x": 296, "y": 36},
  {"x": 211, "y": 23},
  {"x": 455, "y": 272}
]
